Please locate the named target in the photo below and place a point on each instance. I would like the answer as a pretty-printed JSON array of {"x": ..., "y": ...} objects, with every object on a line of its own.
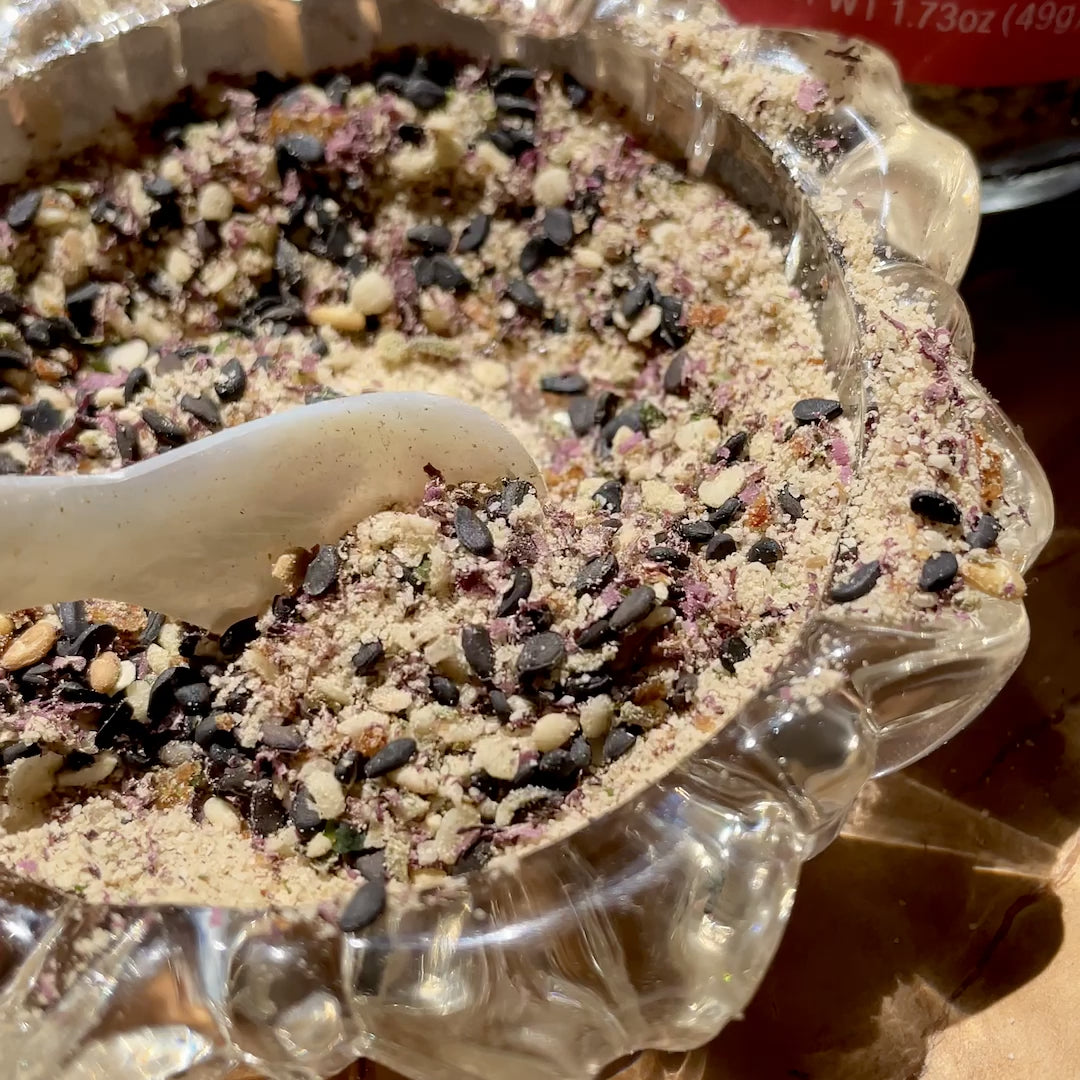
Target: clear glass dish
[{"x": 652, "y": 927}]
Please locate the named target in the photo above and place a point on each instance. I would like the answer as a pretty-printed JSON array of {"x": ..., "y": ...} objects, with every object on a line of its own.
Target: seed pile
[{"x": 479, "y": 673}]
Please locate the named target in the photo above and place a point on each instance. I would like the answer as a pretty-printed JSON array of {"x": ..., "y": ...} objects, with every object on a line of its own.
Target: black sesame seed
[
  {"x": 609, "y": 495},
  {"x": 766, "y": 550},
  {"x": 444, "y": 690},
  {"x": 348, "y": 767},
  {"x": 938, "y": 572},
  {"x": 541, "y": 653},
  {"x": 534, "y": 254},
  {"x": 424, "y": 93},
  {"x": 103, "y": 212},
  {"x": 390, "y": 83},
  {"x": 266, "y": 815},
  {"x": 17, "y": 751},
  {"x": 23, "y": 209},
  {"x": 364, "y": 908},
  {"x": 207, "y": 734},
  {"x": 167, "y": 432},
  {"x": 935, "y": 507},
  {"x": 513, "y": 494},
  {"x": 322, "y": 571},
  {"x": 519, "y": 590},
  {"x": 633, "y": 608},
  {"x": 42, "y": 334},
  {"x": 164, "y": 688},
  {"x": 696, "y": 532},
  {"x": 512, "y": 141},
  {"x": 392, "y": 756},
  {"x": 206, "y": 236},
  {"x": 479, "y": 651},
  {"x": 13, "y": 360},
  {"x": 515, "y": 105},
  {"x": 77, "y": 759},
  {"x": 430, "y": 238},
  {"x": 299, "y": 152},
  {"x": 558, "y": 227},
  {"x": 815, "y": 410},
  {"x": 90, "y": 641},
  {"x": 203, "y": 409},
  {"x": 536, "y": 620},
  {"x": 517, "y": 81},
  {"x": 672, "y": 332},
  {"x": 582, "y": 413},
  {"x": 500, "y": 704},
  {"x": 857, "y": 584},
  {"x": 231, "y": 382},
  {"x": 669, "y": 556},
  {"x": 281, "y": 737},
  {"x": 790, "y": 504},
  {"x": 682, "y": 693},
  {"x": 632, "y": 417},
  {"x": 304, "y": 814},
  {"x": 72, "y": 618},
  {"x": 472, "y": 533},
  {"x": 555, "y": 769},
  {"x": 448, "y": 275},
  {"x": 732, "y": 449},
  {"x": 595, "y": 574},
  {"x": 41, "y": 418},
  {"x": 155, "y": 620},
  {"x": 526, "y": 774},
  {"x": 194, "y": 699},
  {"x": 290, "y": 270},
  {"x": 10, "y": 467},
  {"x": 985, "y": 533},
  {"x": 235, "y": 776},
  {"x": 337, "y": 88},
  {"x": 424, "y": 272},
  {"x": 157, "y": 187},
  {"x": 525, "y": 297},
  {"x": 619, "y": 740},
  {"x": 117, "y": 719},
  {"x": 569, "y": 383},
  {"x": 474, "y": 234},
  {"x": 733, "y": 651},
  {"x": 633, "y": 301},
  {"x": 236, "y": 638},
  {"x": 38, "y": 676},
  {"x": 580, "y": 752},
  {"x": 720, "y": 546},
  {"x": 367, "y": 657},
  {"x": 576, "y": 94},
  {"x": 675, "y": 375},
  {"x": 80, "y": 307},
  {"x": 70, "y": 690},
  {"x": 726, "y": 512},
  {"x": 138, "y": 379}
]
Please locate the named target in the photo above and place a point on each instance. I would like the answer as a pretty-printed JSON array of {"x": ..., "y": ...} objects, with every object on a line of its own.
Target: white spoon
[{"x": 195, "y": 531}]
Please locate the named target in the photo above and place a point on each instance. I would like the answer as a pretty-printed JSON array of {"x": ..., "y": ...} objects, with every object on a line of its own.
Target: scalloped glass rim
[{"x": 653, "y": 926}]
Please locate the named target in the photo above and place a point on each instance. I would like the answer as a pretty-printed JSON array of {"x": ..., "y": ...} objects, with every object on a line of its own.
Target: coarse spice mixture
[{"x": 461, "y": 680}]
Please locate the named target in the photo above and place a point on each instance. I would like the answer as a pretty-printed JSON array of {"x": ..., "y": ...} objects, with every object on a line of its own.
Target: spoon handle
[{"x": 53, "y": 545}]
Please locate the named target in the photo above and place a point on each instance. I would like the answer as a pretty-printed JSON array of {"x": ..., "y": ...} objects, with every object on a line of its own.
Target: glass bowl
[{"x": 651, "y": 927}]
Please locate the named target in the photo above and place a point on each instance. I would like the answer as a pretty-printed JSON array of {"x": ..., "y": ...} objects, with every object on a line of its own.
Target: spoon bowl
[{"x": 194, "y": 532}]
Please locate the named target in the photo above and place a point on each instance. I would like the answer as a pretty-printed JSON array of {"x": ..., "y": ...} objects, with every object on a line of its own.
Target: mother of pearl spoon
[{"x": 195, "y": 532}]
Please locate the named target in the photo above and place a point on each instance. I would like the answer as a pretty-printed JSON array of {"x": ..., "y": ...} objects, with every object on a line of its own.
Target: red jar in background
[{"x": 1004, "y": 75}]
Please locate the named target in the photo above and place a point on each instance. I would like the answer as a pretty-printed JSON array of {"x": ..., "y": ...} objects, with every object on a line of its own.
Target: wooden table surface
[{"x": 932, "y": 940}]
